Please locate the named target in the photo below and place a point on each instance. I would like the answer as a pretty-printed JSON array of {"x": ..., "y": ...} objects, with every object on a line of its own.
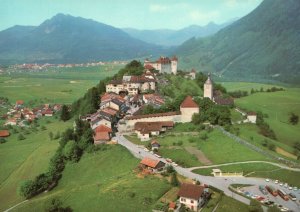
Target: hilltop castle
[{"x": 163, "y": 65}]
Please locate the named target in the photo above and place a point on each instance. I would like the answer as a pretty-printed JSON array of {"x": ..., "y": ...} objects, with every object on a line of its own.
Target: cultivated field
[
  {"x": 63, "y": 85},
  {"x": 100, "y": 179}
]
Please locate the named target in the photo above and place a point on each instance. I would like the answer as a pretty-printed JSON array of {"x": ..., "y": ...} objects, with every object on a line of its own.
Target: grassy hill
[
  {"x": 278, "y": 106},
  {"x": 26, "y": 158},
  {"x": 262, "y": 46},
  {"x": 106, "y": 180}
]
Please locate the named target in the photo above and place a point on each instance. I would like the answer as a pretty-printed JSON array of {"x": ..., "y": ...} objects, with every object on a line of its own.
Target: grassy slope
[
  {"x": 62, "y": 85},
  {"x": 259, "y": 170},
  {"x": 103, "y": 180},
  {"x": 228, "y": 204},
  {"x": 25, "y": 159},
  {"x": 217, "y": 148},
  {"x": 278, "y": 106}
]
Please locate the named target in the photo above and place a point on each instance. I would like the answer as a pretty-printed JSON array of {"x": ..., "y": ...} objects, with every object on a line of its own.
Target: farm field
[
  {"x": 92, "y": 183},
  {"x": 245, "y": 86},
  {"x": 62, "y": 85},
  {"x": 259, "y": 170},
  {"x": 24, "y": 159}
]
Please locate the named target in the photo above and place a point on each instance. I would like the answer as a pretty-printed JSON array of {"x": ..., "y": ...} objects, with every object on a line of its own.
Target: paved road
[
  {"x": 218, "y": 182},
  {"x": 246, "y": 162}
]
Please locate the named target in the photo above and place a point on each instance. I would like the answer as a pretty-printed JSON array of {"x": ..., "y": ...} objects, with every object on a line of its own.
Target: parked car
[{"x": 292, "y": 196}]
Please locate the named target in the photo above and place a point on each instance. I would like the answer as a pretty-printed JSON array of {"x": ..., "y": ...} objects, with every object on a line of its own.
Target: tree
[
  {"x": 27, "y": 189},
  {"x": 255, "y": 206},
  {"x": 71, "y": 151},
  {"x": 174, "y": 179},
  {"x": 65, "y": 114},
  {"x": 294, "y": 119},
  {"x": 55, "y": 205}
]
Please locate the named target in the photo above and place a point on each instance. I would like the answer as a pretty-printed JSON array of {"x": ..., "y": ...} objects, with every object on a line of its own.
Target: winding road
[
  {"x": 218, "y": 182},
  {"x": 246, "y": 162}
]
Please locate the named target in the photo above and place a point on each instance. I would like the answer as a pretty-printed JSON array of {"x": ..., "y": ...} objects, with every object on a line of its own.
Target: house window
[
  {"x": 192, "y": 201},
  {"x": 183, "y": 199}
]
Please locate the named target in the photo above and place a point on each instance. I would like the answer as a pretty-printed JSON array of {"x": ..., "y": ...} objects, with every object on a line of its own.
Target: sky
[{"x": 140, "y": 14}]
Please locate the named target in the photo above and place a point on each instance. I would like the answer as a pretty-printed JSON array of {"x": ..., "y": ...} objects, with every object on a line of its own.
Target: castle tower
[
  {"x": 174, "y": 62},
  {"x": 208, "y": 88}
]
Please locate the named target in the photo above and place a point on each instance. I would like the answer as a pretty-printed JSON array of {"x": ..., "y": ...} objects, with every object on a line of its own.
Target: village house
[
  {"x": 152, "y": 165},
  {"x": 11, "y": 121},
  {"x": 188, "y": 108},
  {"x": 107, "y": 98},
  {"x": 163, "y": 65},
  {"x": 102, "y": 135},
  {"x": 154, "y": 100},
  {"x": 97, "y": 120},
  {"x": 145, "y": 130},
  {"x": 19, "y": 104},
  {"x": 191, "y": 75},
  {"x": 154, "y": 145},
  {"x": 132, "y": 84},
  {"x": 192, "y": 196},
  {"x": 251, "y": 117}
]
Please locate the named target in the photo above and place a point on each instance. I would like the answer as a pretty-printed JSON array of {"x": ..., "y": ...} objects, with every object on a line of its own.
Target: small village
[{"x": 121, "y": 113}]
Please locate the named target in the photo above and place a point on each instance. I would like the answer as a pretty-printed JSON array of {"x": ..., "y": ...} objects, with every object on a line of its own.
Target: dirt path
[{"x": 199, "y": 154}]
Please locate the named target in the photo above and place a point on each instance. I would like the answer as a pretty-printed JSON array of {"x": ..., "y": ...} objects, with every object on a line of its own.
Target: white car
[
  {"x": 146, "y": 150},
  {"x": 290, "y": 188},
  {"x": 267, "y": 180},
  {"x": 174, "y": 164},
  {"x": 286, "y": 185},
  {"x": 281, "y": 184},
  {"x": 295, "y": 188},
  {"x": 276, "y": 181}
]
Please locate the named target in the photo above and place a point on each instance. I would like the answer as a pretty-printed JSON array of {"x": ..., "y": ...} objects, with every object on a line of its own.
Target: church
[{"x": 215, "y": 95}]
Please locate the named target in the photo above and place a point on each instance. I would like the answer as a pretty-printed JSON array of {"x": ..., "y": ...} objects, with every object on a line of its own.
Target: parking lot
[{"x": 290, "y": 205}]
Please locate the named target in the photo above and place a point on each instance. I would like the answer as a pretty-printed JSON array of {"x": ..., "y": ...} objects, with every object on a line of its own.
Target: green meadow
[
  {"x": 104, "y": 180},
  {"x": 217, "y": 148},
  {"x": 277, "y": 106},
  {"x": 25, "y": 159},
  {"x": 56, "y": 85}
]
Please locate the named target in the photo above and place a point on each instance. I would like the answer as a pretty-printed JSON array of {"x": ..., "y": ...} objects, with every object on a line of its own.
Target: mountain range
[
  {"x": 168, "y": 37},
  {"x": 68, "y": 39},
  {"x": 262, "y": 46}
]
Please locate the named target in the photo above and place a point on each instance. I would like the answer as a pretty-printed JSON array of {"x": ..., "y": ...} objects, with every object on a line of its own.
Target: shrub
[{"x": 21, "y": 137}]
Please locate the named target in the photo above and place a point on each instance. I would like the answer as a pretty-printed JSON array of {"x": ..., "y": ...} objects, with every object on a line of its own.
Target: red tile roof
[
  {"x": 190, "y": 191},
  {"x": 19, "y": 102},
  {"x": 103, "y": 128},
  {"x": 150, "y": 162},
  {"x": 101, "y": 136},
  {"x": 148, "y": 66},
  {"x": 110, "y": 111},
  {"x": 189, "y": 103},
  {"x": 4, "y": 133},
  {"x": 172, "y": 205},
  {"x": 251, "y": 113},
  {"x": 153, "y": 115}
]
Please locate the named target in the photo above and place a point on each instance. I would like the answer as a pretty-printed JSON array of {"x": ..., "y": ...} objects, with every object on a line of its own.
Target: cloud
[
  {"x": 203, "y": 17},
  {"x": 238, "y": 3},
  {"x": 158, "y": 8}
]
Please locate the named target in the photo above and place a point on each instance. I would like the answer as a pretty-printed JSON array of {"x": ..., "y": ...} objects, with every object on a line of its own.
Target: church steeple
[{"x": 208, "y": 88}]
